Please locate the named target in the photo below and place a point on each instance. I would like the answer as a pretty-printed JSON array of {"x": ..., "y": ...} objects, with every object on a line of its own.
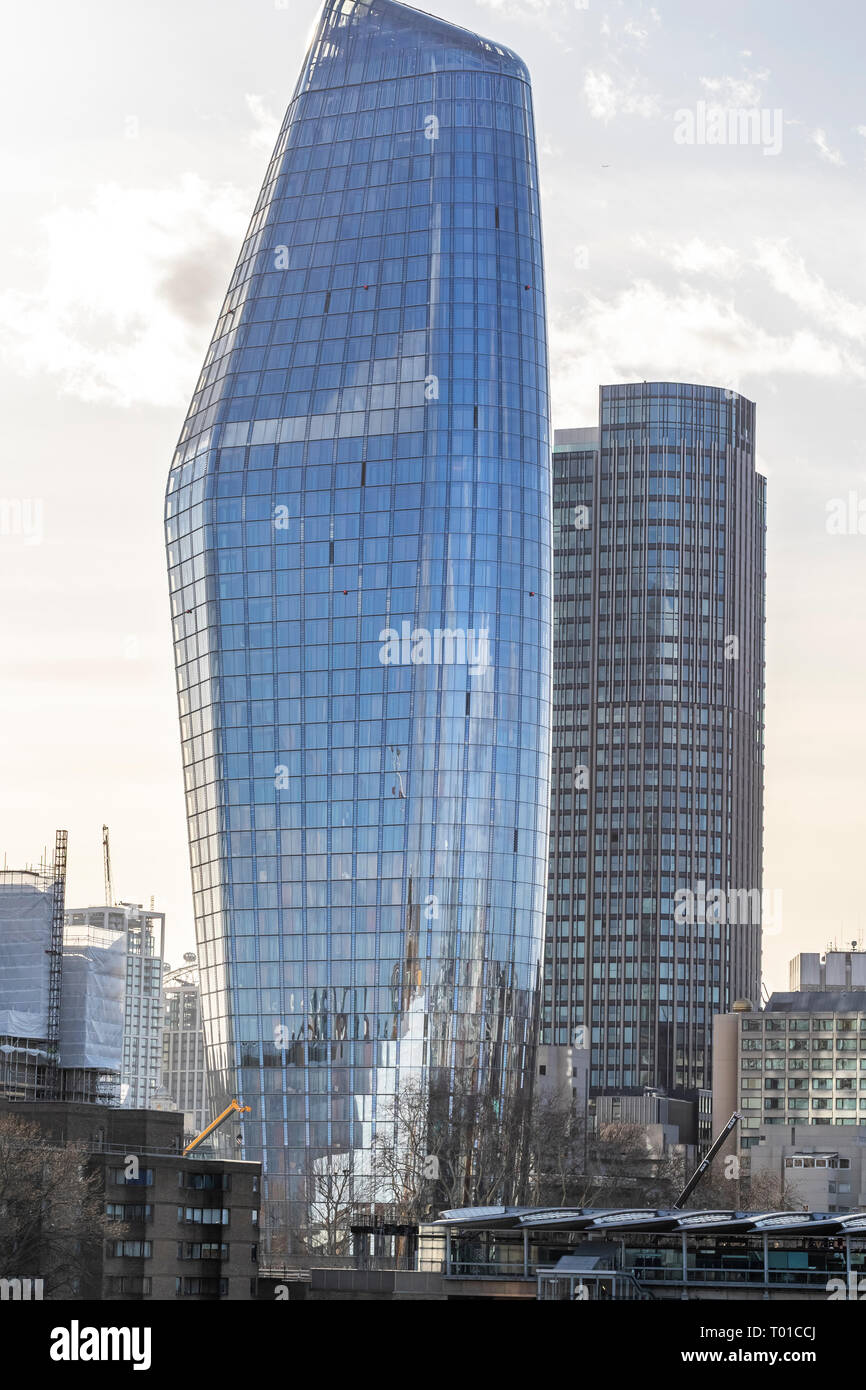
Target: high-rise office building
[
  {"x": 144, "y": 934},
  {"x": 653, "y": 920},
  {"x": 358, "y": 523},
  {"x": 184, "y": 1068}
]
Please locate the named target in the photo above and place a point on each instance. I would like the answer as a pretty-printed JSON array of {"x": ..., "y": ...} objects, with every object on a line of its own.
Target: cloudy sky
[{"x": 137, "y": 138}]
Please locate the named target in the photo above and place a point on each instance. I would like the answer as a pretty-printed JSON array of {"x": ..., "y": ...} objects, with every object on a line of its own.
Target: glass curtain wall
[{"x": 359, "y": 549}]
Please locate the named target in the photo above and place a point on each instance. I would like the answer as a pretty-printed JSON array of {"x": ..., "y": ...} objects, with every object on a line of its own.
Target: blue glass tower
[{"x": 359, "y": 549}]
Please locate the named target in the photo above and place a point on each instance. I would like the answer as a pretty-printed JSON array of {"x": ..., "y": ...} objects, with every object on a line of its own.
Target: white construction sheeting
[
  {"x": 25, "y": 939},
  {"x": 92, "y": 999}
]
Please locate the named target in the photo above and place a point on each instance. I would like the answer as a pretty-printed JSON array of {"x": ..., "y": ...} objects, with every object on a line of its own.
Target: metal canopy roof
[{"x": 648, "y": 1220}]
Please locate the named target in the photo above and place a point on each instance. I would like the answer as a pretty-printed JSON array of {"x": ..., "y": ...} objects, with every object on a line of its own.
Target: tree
[
  {"x": 333, "y": 1193},
  {"x": 557, "y": 1145},
  {"x": 723, "y": 1186},
  {"x": 438, "y": 1147},
  {"x": 616, "y": 1166},
  {"x": 52, "y": 1219}
]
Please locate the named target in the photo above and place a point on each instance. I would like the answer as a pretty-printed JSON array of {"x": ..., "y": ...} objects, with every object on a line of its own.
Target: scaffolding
[
  {"x": 92, "y": 1013},
  {"x": 61, "y": 994},
  {"x": 55, "y": 975},
  {"x": 26, "y": 922},
  {"x": 24, "y": 1068}
]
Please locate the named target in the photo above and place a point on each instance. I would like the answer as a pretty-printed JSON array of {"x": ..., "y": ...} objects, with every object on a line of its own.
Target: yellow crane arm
[{"x": 214, "y": 1124}]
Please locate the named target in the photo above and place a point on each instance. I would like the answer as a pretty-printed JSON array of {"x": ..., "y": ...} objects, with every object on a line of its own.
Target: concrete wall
[
  {"x": 811, "y": 1186},
  {"x": 726, "y": 1072},
  {"x": 843, "y": 970}
]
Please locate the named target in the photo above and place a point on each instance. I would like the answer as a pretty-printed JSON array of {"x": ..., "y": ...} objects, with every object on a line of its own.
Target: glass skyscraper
[
  {"x": 359, "y": 548},
  {"x": 659, "y": 535}
]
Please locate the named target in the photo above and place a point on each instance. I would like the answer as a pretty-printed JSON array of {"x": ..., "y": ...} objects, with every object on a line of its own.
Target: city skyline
[{"x": 679, "y": 295}]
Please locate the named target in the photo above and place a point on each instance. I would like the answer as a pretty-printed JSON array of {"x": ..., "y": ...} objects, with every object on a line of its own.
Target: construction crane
[
  {"x": 214, "y": 1124},
  {"x": 106, "y": 859},
  {"x": 707, "y": 1160}
]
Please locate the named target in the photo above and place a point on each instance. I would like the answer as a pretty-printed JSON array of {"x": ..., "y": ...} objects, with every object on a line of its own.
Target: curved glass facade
[
  {"x": 658, "y": 732},
  {"x": 359, "y": 543}
]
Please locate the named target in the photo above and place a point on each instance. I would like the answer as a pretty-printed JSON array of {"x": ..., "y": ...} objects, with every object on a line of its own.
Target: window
[
  {"x": 216, "y": 1288},
  {"x": 139, "y": 1285},
  {"x": 129, "y": 1249},
  {"x": 205, "y": 1182},
  {"x": 127, "y": 1211},
  {"x": 144, "y": 1179},
  {"x": 204, "y": 1216}
]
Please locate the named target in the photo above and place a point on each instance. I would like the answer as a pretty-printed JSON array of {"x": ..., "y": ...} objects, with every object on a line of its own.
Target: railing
[
  {"x": 369, "y": 1263},
  {"x": 799, "y": 1278},
  {"x": 792, "y": 1278},
  {"x": 593, "y": 1286},
  {"x": 490, "y": 1269}
]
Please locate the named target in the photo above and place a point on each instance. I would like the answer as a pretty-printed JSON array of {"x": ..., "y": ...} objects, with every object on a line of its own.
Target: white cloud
[
  {"x": 783, "y": 269},
  {"x": 698, "y": 257},
  {"x": 130, "y": 285},
  {"x": 819, "y": 139},
  {"x": 528, "y": 9},
  {"x": 634, "y": 31},
  {"x": 264, "y": 134},
  {"x": 526, "y": 6},
  {"x": 557, "y": 18},
  {"x": 646, "y": 333},
  {"x": 737, "y": 91},
  {"x": 788, "y": 276},
  {"x": 606, "y": 99}
]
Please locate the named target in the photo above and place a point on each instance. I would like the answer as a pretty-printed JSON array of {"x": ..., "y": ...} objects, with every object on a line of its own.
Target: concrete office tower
[
  {"x": 144, "y": 933},
  {"x": 184, "y": 1069},
  {"x": 658, "y": 732},
  {"x": 359, "y": 554},
  {"x": 795, "y": 1071}
]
